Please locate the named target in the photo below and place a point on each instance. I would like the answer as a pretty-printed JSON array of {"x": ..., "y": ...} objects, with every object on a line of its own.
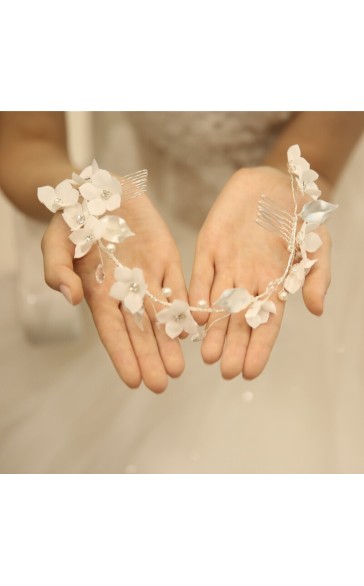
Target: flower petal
[
  {"x": 82, "y": 248},
  {"x": 312, "y": 242},
  {"x": 292, "y": 284},
  {"x": 67, "y": 193},
  {"x": 89, "y": 191},
  {"x": 253, "y": 321},
  {"x": 133, "y": 302},
  {"x": 269, "y": 306},
  {"x": 165, "y": 315},
  {"x": 294, "y": 152},
  {"x": 174, "y": 328},
  {"x": 102, "y": 179},
  {"x": 46, "y": 196},
  {"x": 123, "y": 274},
  {"x": 189, "y": 325},
  {"x": 113, "y": 203},
  {"x": 96, "y": 207},
  {"x": 119, "y": 290},
  {"x": 78, "y": 236}
]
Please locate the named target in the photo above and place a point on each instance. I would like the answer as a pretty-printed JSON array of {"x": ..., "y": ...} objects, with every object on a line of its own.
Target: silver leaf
[
  {"x": 117, "y": 230},
  {"x": 317, "y": 212}
]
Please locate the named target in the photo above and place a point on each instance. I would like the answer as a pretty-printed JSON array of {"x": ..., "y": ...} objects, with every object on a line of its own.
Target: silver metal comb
[
  {"x": 276, "y": 219},
  {"x": 134, "y": 184}
]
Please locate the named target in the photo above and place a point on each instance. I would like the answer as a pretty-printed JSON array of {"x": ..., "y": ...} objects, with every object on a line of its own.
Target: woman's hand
[
  {"x": 234, "y": 251},
  {"x": 150, "y": 355}
]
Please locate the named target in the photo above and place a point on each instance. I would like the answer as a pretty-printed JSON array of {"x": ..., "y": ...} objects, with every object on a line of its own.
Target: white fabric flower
[
  {"x": 296, "y": 164},
  {"x": 177, "y": 319},
  {"x": 76, "y": 216},
  {"x": 86, "y": 174},
  {"x": 129, "y": 288},
  {"x": 259, "y": 313},
  {"x": 103, "y": 193},
  {"x": 234, "y": 300},
  {"x": 307, "y": 239},
  {"x": 116, "y": 229},
  {"x": 317, "y": 212},
  {"x": 85, "y": 237},
  {"x": 297, "y": 275},
  {"x": 305, "y": 176},
  {"x": 62, "y": 196}
]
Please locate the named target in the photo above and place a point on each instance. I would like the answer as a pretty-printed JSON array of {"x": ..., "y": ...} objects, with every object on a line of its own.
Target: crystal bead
[
  {"x": 89, "y": 237},
  {"x": 99, "y": 274},
  {"x": 80, "y": 219},
  {"x": 105, "y": 194}
]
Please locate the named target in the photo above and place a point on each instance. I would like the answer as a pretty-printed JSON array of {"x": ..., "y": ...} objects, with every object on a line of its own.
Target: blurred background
[{"x": 63, "y": 408}]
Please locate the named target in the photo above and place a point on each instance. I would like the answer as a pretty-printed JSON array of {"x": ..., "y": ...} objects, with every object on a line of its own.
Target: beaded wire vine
[{"x": 86, "y": 198}]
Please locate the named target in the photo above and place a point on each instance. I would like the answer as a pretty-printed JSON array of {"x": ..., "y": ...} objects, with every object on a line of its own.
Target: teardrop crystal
[{"x": 99, "y": 274}]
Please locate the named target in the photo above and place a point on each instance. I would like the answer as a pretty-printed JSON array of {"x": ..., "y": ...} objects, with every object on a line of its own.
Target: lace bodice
[{"x": 189, "y": 154}]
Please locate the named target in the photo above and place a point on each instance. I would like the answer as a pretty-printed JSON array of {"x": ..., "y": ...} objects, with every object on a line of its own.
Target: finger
[
  {"x": 147, "y": 352},
  {"x": 58, "y": 253},
  {"x": 113, "y": 333},
  {"x": 318, "y": 280},
  {"x": 201, "y": 282},
  {"x": 169, "y": 350},
  {"x": 174, "y": 279},
  {"x": 261, "y": 342},
  {"x": 213, "y": 342},
  {"x": 235, "y": 348}
]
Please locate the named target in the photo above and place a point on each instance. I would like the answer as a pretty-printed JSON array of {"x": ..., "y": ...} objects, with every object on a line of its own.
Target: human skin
[
  {"x": 233, "y": 251},
  {"x": 230, "y": 247}
]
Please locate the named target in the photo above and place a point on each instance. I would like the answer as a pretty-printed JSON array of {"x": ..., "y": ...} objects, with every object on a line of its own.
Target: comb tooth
[
  {"x": 134, "y": 184},
  {"x": 271, "y": 228},
  {"x": 271, "y": 216}
]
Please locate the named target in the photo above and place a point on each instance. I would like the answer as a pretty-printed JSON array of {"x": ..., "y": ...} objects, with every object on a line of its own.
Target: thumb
[{"x": 58, "y": 252}]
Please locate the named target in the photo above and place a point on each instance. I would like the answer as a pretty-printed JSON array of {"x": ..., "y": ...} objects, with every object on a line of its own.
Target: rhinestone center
[
  {"x": 80, "y": 219},
  {"x": 105, "y": 194},
  {"x": 179, "y": 317},
  {"x": 89, "y": 237},
  {"x": 134, "y": 287}
]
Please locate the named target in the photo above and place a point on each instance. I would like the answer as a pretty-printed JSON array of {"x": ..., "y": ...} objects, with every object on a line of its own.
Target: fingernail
[{"x": 66, "y": 291}]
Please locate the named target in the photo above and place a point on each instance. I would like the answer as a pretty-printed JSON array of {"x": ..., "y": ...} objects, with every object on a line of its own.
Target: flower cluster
[
  {"x": 84, "y": 199},
  {"x": 306, "y": 240}
]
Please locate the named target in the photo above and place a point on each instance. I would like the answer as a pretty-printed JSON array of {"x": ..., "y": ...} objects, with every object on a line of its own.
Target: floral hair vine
[{"x": 86, "y": 199}]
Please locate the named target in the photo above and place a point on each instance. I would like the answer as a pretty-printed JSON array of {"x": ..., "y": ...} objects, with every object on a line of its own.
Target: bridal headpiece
[{"x": 87, "y": 199}]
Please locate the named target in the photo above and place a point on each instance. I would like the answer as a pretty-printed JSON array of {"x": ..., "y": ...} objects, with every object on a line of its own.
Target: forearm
[
  {"x": 326, "y": 140},
  {"x": 33, "y": 152}
]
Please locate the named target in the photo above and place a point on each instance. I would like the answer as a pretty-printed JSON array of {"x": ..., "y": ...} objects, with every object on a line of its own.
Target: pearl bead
[
  {"x": 202, "y": 303},
  {"x": 283, "y": 295},
  {"x": 167, "y": 291}
]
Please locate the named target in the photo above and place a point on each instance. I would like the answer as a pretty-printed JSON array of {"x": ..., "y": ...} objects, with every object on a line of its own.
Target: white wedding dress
[{"x": 62, "y": 406}]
